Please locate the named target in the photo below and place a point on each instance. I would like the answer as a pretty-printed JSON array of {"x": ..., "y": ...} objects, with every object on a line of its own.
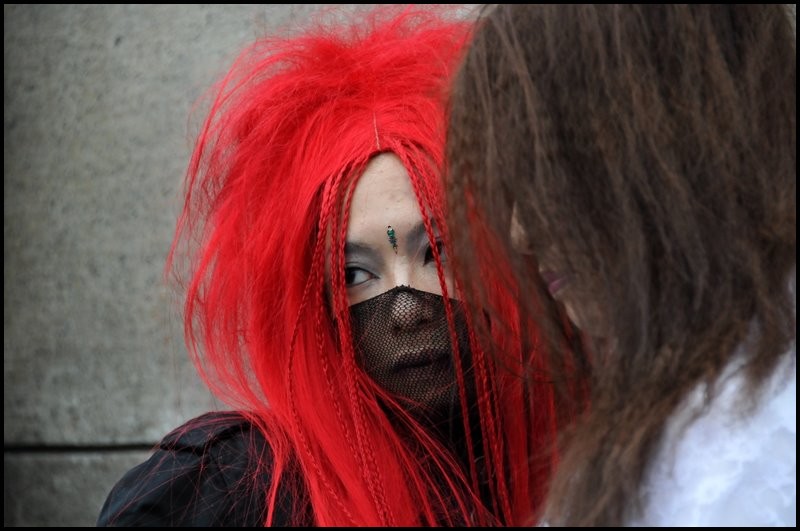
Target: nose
[
  {"x": 409, "y": 310},
  {"x": 406, "y": 272}
]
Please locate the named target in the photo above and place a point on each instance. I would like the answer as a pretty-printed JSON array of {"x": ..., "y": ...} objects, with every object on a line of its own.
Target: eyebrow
[
  {"x": 417, "y": 235},
  {"x": 352, "y": 249}
]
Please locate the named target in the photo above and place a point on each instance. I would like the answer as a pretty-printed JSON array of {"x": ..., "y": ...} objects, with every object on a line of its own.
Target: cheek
[
  {"x": 519, "y": 238},
  {"x": 451, "y": 292},
  {"x": 586, "y": 314},
  {"x": 427, "y": 279},
  {"x": 574, "y": 313}
]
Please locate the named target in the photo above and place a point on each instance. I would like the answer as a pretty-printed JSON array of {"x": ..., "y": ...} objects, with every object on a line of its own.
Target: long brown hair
[{"x": 653, "y": 148}]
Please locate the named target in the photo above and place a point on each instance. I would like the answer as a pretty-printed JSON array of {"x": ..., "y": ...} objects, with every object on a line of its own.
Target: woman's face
[
  {"x": 400, "y": 328},
  {"x": 565, "y": 288},
  {"x": 386, "y": 241},
  {"x": 562, "y": 283}
]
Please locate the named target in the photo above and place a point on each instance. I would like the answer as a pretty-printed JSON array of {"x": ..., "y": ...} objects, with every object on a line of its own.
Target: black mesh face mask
[{"x": 403, "y": 343}]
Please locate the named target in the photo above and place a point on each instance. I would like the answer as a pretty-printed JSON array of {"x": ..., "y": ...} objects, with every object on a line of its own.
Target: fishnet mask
[{"x": 402, "y": 341}]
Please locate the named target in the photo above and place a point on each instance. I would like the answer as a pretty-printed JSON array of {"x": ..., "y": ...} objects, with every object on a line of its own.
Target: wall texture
[{"x": 96, "y": 141}]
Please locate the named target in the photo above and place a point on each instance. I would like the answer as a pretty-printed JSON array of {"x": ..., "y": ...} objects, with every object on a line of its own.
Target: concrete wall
[{"x": 96, "y": 103}]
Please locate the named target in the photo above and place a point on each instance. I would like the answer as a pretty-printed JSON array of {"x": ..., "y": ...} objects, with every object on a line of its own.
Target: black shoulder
[
  {"x": 206, "y": 431},
  {"x": 212, "y": 471}
]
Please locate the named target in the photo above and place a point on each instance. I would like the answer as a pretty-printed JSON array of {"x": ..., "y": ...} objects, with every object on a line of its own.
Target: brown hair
[{"x": 653, "y": 147}]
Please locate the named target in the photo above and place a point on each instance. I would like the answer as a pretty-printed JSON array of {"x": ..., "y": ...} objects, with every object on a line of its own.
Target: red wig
[{"x": 291, "y": 128}]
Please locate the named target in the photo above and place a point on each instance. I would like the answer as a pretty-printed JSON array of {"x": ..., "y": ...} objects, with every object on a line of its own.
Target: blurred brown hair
[{"x": 654, "y": 149}]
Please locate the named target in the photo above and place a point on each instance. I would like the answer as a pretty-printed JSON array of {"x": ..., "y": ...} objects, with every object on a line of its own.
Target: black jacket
[{"x": 202, "y": 474}]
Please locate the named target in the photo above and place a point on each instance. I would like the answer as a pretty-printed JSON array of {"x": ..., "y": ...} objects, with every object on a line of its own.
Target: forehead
[{"x": 383, "y": 196}]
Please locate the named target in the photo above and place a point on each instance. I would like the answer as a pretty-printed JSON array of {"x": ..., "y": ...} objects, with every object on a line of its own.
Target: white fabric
[{"x": 725, "y": 467}]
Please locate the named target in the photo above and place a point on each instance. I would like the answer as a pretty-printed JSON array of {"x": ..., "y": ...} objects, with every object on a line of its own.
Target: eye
[
  {"x": 440, "y": 248},
  {"x": 353, "y": 276}
]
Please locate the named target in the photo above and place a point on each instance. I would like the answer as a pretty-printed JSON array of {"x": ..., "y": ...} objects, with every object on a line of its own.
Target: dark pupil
[
  {"x": 349, "y": 275},
  {"x": 429, "y": 254}
]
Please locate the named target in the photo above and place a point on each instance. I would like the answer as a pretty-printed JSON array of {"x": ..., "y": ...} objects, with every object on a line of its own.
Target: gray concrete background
[{"x": 96, "y": 141}]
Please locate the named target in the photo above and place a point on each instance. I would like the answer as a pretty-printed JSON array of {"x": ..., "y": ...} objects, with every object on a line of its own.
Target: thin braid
[
  {"x": 496, "y": 462},
  {"x": 437, "y": 210},
  {"x": 483, "y": 400},
  {"x": 491, "y": 414},
  {"x": 487, "y": 426},
  {"x": 325, "y": 216},
  {"x": 497, "y": 441},
  {"x": 297, "y": 424},
  {"x": 369, "y": 466}
]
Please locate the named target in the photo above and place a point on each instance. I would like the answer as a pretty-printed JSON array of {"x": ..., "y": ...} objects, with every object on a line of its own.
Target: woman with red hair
[{"x": 320, "y": 305}]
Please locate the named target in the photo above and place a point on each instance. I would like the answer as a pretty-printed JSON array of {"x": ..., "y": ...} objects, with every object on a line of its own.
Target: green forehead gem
[{"x": 392, "y": 238}]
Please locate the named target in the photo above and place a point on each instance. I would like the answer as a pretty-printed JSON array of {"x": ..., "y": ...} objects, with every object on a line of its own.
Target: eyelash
[
  {"x": 429, "y": 252},
  {"x": 351, "y": 271}
]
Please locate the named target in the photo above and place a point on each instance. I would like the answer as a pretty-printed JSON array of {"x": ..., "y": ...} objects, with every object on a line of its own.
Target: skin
[
  {"x": 562, "y": 284},
  {"x": 411, "y": 357},
  {"x": 564, "y": 287},
  {"x": 384, "y": 197}
]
